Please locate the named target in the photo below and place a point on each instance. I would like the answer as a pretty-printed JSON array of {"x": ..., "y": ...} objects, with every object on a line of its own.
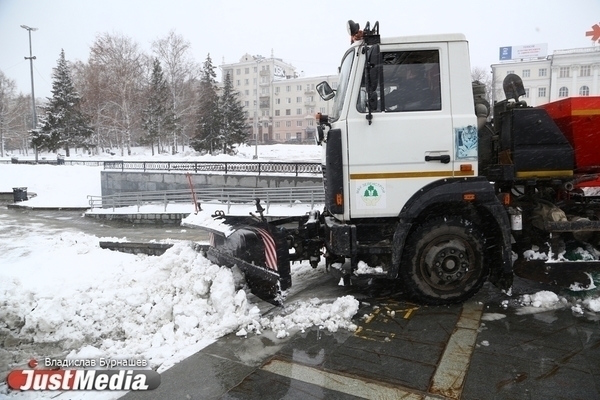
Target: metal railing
[
  {"x": 295, "y": 168},
  {"x": 90, "y": 163},
  {"x": 313, "y": 195}
]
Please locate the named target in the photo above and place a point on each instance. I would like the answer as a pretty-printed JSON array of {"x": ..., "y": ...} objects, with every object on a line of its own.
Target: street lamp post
[{"x": 31, "y": 58}]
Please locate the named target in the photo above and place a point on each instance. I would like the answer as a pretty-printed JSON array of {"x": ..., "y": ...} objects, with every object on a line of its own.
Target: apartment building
[
  {"x": 280, "y": 102},
  {"x": 565, "y": 73}
]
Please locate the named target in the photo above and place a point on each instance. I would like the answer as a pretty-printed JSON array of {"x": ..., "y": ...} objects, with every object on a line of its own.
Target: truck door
[{"x": 409, "y": 142}]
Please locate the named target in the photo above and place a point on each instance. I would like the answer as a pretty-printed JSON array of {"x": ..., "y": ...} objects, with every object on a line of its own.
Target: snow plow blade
[
  {"x": 563, "y": 273},
  {"x": 261, "y": 254}
]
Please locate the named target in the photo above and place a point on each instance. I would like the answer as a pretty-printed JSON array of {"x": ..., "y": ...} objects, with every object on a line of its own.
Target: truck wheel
[{"x": 443, "y": 261}]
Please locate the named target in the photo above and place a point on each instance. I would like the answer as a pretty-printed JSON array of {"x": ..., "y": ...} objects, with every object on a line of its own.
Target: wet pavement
[
  {"x": 20, "y": 222},
  {"x": 487, "y": 348}
]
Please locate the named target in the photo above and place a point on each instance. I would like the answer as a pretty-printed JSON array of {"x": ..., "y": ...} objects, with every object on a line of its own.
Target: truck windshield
[{"x": 343, "y": 83}]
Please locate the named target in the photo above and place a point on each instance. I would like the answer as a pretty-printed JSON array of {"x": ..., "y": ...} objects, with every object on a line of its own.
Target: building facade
[
  {"x": 565, "y": 73},
  {"x": 280, "y": 103}
]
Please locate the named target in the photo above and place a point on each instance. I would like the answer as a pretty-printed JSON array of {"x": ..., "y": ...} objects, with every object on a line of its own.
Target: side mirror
[{"x": 325, "y": 91}]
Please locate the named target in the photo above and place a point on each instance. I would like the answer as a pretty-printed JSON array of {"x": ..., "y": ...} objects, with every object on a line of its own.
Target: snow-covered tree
[
  {"x": 234, "y": 129},
  {"x": 63, "y": 125},
  {"x": 208, "y": 120},
  {"x": 158, "y": 117}
]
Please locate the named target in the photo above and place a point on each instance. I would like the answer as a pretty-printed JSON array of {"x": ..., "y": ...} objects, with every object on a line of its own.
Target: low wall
[
  {"x": 121, "y": 182},
  {"x": 139, "y": 218}
]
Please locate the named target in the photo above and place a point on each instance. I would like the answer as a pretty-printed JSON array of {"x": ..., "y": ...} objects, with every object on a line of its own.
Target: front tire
[{"x": 443, "y": 261}]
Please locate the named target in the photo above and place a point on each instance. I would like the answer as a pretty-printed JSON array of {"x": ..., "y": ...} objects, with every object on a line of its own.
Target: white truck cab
[{"x": 419, "y": 126}]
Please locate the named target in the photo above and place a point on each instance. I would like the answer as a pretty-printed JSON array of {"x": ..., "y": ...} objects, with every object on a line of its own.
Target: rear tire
[{"x": 443, "y": 261}]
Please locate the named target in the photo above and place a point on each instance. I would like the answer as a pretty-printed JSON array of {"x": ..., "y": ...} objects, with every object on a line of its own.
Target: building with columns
[
  {"x": 280, "y": 102},
  {"x": 565, "y": 73}
]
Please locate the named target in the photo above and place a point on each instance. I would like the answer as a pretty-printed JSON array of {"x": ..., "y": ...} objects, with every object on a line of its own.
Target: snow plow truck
[{"x": 423, "y": 185}]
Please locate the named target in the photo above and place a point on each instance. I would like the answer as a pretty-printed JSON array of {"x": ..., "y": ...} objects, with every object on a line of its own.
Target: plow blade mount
[
  {"x": 561, "y": 273},
  {"x": 261, "y": 253}
]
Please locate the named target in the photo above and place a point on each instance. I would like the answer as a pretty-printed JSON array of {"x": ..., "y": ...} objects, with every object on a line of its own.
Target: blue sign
[{"x": 505, "y": 53}]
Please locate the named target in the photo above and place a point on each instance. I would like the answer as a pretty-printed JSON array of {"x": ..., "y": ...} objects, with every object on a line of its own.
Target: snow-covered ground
[{"x": 63, "y": 296}]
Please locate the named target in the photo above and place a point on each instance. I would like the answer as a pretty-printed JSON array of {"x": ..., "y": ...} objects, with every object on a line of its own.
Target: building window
[
  {"x": 584, "y": 91},
  {"x": 563, "y": 72},
  {"x": 239, "y": 71},
  {"x": 526, "y": 74},
  {"x": 277, "y": 113},
  {"x": 247, "y": 104},
  {"x": 563, "y": 92},
  {"x": 542, "y": 72},
  {"x": 288, "y": 112},
  {"x": 277, "y": 101},
  {"x": 298, "y": 99},
  {"x": 299, "y": 88},
  {"x": 288, "y": 124},
  {"x": 238, "y": 82},
  {"x": 526, "y": 93},
  {"x": 298, "y": 111},
  {"x": 585, "y": 70},
  {"x": 542, "y": 92},
  {"x": 277, "y": 90},
  {"x": 298, "y": 123},
  {"x": 510, "y": 72},
  {"x": 278, "y": 125},
  {"x": 246, "y": 71},
  {"x": 288, "y": 88},
  {"x": 288, "y": 100}
]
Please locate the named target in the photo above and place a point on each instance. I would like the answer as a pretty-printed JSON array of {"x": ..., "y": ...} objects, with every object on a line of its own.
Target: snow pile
[
  {"x": 543, "y": 299},
  {"x": 161, "y": 309},
  {"x": 303, "y": 315},
  {"x": 364, "y": 269},
  {"x": 121, "y": 305}
]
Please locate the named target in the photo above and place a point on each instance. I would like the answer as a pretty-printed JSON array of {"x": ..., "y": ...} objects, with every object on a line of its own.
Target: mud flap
[
  {"x": 261, "y": 252},
  {"x": 562, "y": 274}
]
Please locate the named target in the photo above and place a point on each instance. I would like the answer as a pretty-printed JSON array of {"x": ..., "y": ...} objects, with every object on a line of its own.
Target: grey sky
[{"x": 309, "y": 34}]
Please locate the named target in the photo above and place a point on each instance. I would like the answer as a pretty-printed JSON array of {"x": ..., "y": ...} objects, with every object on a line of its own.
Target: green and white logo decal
[{"x": 370, "y": 195}]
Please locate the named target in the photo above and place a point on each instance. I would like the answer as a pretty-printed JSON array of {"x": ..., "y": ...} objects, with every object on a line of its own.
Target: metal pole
[{"x": 31, "y": 58}]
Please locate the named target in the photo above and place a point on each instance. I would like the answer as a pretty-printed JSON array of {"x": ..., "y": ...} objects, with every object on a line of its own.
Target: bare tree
[
  {"x": 118, "y": 69},
  {"x": 484, "y": 77},
  {"x": 181, "y": 72},
  {"x": 15, "y": 117}
]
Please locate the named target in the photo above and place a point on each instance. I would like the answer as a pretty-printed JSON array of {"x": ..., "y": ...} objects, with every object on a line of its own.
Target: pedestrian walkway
[{"x": 479, "y": 350}]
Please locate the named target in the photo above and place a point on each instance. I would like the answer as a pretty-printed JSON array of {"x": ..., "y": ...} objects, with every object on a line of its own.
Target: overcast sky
[{"x": 309, "y": 34}]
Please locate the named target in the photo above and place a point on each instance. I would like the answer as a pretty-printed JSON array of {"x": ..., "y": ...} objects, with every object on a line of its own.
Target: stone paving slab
[{"x": 477, "y": 350}]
